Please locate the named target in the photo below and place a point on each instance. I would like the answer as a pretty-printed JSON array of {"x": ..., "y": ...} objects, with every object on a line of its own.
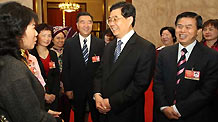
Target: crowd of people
[{"x": 46, "y": 71}]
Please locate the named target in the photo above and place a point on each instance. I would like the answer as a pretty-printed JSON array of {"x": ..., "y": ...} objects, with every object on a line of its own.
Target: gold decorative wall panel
[{"x": 152, "y": 15}]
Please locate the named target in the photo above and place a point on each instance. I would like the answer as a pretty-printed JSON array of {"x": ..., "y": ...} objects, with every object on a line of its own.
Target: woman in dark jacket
[
  {"x": 48, "y": 63},
  {"x": 21, "y": 94}
]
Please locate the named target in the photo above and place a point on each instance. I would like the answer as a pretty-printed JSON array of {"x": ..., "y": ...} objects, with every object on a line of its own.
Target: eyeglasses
[{"x": 113, "y": 19}]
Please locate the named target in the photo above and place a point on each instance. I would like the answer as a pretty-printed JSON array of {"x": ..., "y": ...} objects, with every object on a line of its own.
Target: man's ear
[
  {"x": 130, "y": 19},
  {"x": 199, "y": 31},
  {"x": 77, "y": 24}
]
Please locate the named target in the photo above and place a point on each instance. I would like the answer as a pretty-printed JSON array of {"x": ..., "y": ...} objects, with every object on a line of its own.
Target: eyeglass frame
[{"x": 114, "y": 19}]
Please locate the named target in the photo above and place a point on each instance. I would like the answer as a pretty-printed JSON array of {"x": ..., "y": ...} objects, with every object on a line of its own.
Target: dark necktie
[
  {"x": 180, "y": 68},
  {"x": 117, "y": 50},
  {"x": 85, "y": 51}
]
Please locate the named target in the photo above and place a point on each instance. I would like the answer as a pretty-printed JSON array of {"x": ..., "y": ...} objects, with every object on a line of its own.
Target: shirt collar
[
  {"x": 82, "y": 38},
  {"x": 189, "y": 47},
  {"x": 127, "y": 37}
]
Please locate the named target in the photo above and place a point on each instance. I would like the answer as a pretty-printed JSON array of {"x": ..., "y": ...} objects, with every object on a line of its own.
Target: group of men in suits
[{"x": 113, "y": 79}]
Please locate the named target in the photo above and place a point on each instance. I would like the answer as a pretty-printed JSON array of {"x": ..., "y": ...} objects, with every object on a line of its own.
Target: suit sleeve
[
  {"x": 204, "y": 93},
  {"x": 98, "y": 78},
  {"x": 66, "y": 67},
  {"x": 158, "y": 85},
  {"x": 21, "y": 98},
  {"x": 140, "y": 82}
]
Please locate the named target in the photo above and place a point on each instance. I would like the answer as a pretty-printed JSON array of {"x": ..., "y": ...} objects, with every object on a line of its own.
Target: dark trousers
[
  {"x": 64, "y": 107},
  {"x": 80, "y": 110}
]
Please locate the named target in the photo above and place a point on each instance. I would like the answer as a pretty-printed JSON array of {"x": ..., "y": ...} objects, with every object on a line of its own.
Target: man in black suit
[
  {"x": 121, "y": 80},
  {"x": 186, "y": 76},
  {"x": 82, "y": 56}
]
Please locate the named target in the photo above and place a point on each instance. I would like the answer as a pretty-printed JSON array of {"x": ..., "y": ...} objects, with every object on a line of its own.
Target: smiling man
[
  {"x": 126, "y": 70},
  {"x": 186, "y": 76},
  {"x": 82, "y": 56}
]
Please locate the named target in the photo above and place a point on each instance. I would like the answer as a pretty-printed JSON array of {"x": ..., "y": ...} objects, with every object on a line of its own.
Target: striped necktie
[
  {"x": 180, "y": 68},
  {"x": 85, "y": 51},
  {"x": 181, "y": 65},
  {"x": 117, "y": 50}
]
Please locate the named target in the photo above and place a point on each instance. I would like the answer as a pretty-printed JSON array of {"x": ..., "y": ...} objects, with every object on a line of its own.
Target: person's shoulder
[
  {"x": 168, "y": 50},
  {"x": 207, "y": 51},
  {"x": 98, "y": 40},
  {"x": 140, "y": 39},
  {"x": 12, "y": 62},
  {"x": 13, "y": 67},
  {"x": 142, "y": 42},
  {"x": 53, "y": 55},
  {"x": 52, "y": 52},
  {"x": 72, "y": 39}
]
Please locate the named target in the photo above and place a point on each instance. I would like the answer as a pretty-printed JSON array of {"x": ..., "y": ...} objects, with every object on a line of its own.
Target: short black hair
[
  {"x": 212, "y": 22},
  {"x": 197, "y": 17},
  {"x": 171, "y": 30},
  {"x": 127, "y": 10},
  {"x": 14, "y": 19},
  {"x": 43, "y": 26},
  {"x": 83, "y": 14}
]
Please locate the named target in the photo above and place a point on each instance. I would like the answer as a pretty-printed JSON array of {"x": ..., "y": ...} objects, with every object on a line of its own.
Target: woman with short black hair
[{"x": 21, "y": 94}]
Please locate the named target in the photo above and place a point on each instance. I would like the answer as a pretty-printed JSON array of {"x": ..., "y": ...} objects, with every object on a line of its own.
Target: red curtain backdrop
[
  {"x": 71, "y": 19},
  {"x": 55, "y": 18}
]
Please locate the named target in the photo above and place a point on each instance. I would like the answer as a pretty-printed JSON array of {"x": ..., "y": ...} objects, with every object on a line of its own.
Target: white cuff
[
  {"x": 176, "y": 110},
  {"x": 162, "y": 108},
  {"x": 96, "y": 94}
]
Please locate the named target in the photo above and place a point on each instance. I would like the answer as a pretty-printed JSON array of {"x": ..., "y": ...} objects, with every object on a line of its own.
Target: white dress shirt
[
  {"x": 126, "y": 38},
  {"x": 189, "y": 48},
  {"x": 88, "y": 38}
]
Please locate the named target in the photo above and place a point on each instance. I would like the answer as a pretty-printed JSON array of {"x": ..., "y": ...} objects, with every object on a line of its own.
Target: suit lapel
[
  {"x": 108, "y": 59},
  {"x": 126, "y": 50},
  {"x": 194, "y": 57},
  {"x": 91, "y": 50},
  {"x": 174, "y": 55},
  {"x": 79, "y": 49}
]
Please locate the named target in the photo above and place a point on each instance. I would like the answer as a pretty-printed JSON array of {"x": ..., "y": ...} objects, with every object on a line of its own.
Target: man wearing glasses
[{"x": 125, "y": 71}]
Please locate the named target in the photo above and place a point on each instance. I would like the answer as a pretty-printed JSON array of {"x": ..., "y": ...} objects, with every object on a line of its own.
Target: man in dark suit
[
  {"x": 82, "y": 56},
  {"x": 186, "y": 76},
  {"x": 121, "y": 80}
]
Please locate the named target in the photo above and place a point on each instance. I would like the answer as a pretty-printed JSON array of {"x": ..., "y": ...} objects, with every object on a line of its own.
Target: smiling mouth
[
  {"x": 182, "y": 36},
  {"x": 207, "y": 35}
]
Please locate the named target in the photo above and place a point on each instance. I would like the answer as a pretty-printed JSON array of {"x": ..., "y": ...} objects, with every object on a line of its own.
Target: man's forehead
[
  {"x": 115, "y": 12},
  {"x": 187, "y": 20},
  {"x": 86, "y": 17}
]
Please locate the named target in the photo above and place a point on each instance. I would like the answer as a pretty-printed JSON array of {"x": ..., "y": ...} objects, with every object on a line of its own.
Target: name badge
[
  {"x": 51, "y": 65},
  {"x": 95, "y": 59},
  {"x": 193, "y": 75}
]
